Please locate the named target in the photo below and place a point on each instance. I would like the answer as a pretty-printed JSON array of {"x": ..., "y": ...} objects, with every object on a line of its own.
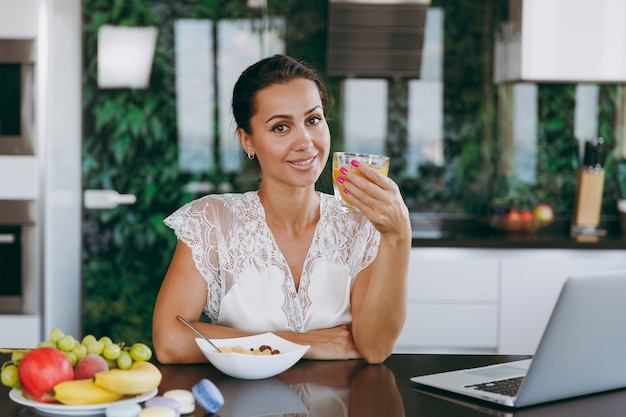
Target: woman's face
[{"x": 289, "y": 134}]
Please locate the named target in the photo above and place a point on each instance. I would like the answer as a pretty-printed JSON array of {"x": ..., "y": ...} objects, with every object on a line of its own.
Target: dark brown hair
[{"x": 276, "y": 69}]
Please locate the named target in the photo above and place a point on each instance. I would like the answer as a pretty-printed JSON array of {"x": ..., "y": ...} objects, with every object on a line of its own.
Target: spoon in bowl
[{"x": 195, "y": 329}]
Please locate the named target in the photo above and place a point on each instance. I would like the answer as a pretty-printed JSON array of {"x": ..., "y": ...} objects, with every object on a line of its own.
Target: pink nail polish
[
  {"x": 343, "y": 170},
  {"x": 340, "y": 180},
  {"x": 355, "y": 163},
  {"x": 345, "y": 191}
]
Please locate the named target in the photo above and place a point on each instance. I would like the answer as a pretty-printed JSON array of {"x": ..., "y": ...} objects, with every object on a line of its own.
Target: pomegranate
[{"x": 41, "y": 369}]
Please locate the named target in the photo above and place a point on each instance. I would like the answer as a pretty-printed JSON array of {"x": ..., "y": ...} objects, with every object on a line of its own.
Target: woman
[{"x": 285, "y": 258}]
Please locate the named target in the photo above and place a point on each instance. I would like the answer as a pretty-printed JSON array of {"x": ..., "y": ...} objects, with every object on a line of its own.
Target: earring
[{"x": 250, "y": 156}]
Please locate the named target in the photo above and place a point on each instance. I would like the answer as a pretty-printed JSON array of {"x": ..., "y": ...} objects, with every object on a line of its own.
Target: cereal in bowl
[{"x": 262, "y": 350}]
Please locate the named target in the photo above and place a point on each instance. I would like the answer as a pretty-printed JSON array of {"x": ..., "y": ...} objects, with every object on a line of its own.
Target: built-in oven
[
  {"x": 19, "y": 289},
  {"x": 10, "y": 265},
  {"x": 17, "y": 91}
]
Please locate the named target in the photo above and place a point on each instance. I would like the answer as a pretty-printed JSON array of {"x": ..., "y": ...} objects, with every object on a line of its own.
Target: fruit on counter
[
  {"x": 140, "y": 378},
  {"x": 66, "y": 343},
  {"x": 526, "y": 215},
  {"x": 124, "y": 361},
  {"x": 112, "y": 354},
  {"x": 208, "y": 395},
  {"x": 512, "y": 215},
  {"x": 41, "y": 369},
  {"x": 10, "y": 376},
  {"x": 140, "y": 352},
  {"x": 87, "y": 367},
  {"x": 80, "y": 351},
  {"x": 83, "y": 392},
  {"x": 543, "y": 212}
]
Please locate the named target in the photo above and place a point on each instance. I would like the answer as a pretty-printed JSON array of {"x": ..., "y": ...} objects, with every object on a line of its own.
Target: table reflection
[{"x": 316, "y": 389}]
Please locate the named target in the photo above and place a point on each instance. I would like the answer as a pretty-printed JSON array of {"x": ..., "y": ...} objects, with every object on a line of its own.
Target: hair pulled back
[{"x": 277, "y": 69}]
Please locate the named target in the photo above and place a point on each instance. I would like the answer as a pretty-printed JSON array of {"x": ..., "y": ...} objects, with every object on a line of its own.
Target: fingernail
[
  {"x": 345, "y": 191},
  {"x": 343, "y": 170},
  {"x": 355, "y": 163},
  {"x": 340, "y": 180}
]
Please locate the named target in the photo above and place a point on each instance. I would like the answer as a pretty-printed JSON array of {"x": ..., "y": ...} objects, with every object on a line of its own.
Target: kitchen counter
[
  {"x": 353, "y": 388},
  {"x": 459, "y": 231}
]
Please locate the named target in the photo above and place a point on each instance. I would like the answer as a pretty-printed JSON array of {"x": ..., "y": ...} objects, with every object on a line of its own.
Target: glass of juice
[{"x": 343, "y": 159}]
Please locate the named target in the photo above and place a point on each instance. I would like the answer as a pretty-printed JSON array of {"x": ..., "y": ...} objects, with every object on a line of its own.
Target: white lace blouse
[{"x": 249, "y": 283}]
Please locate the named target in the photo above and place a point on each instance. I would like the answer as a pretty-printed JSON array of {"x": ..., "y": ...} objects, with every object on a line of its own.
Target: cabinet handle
[
  {"x": 7, "y": 238},
  {"x": 106, "y": 199}
]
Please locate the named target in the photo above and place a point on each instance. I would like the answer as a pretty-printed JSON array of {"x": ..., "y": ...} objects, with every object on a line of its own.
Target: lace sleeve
[
  {"x": 194, "y": 226},
  {"x": 366, "y": 243}
]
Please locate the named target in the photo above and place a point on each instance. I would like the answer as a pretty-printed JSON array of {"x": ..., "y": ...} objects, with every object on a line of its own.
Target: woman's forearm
[
  {"x": 175, "y": 343},
  {"x": 382, "y": 314}
]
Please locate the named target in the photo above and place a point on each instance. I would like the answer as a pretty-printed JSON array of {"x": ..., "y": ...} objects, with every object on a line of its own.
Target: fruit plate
[
  {"x": 516, "y": 226},
  {"x": 74, "y": 410}
]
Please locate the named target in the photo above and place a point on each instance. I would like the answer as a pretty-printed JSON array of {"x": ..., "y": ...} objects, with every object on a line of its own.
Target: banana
[
  {"x": 83, "y": 392},
  {"x": 141, "y": 377}
]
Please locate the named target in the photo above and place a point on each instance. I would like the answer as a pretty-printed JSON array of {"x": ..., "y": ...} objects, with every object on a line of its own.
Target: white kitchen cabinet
[
  {"x": 452, "y": 301},
  {"x": 489, "y": 300},
  {"x": 531, "y": 283},
  {"x": 20, "y": 330}
]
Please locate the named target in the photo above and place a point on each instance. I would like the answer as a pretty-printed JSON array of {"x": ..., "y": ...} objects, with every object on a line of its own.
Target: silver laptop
[{"x": 582, "y": 351}]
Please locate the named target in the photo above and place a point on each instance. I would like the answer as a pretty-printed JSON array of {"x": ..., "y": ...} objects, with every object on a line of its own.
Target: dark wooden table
[{"x": 353, "y": 388}]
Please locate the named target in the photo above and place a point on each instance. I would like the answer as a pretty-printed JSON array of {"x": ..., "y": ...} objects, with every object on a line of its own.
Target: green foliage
[{"x": 129, "y": 146}]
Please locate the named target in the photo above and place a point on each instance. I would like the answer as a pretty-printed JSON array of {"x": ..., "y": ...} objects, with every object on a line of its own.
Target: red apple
[
  {"x": 41, "y": 369},
  {"x": 89, "y": 365},
  {"x": 526, "y": 215},
  {"x": 543, "y": 212},
  {"x": 512, "y": 215}
]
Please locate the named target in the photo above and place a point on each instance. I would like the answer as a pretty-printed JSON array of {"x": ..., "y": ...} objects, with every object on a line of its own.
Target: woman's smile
[{"x": 303, "y": 163}]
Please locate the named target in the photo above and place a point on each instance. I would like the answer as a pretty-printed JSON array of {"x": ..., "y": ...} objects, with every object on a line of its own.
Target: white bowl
[{"x": 250, "y": 366}]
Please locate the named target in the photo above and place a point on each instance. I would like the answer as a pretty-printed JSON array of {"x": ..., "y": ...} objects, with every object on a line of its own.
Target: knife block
[{"x": 589, "y": 189}]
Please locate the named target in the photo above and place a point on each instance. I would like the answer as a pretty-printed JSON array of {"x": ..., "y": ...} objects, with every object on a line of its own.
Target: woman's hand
[
  {"x": 332, "y": 343},
  {"x": 378, "y": 197}
]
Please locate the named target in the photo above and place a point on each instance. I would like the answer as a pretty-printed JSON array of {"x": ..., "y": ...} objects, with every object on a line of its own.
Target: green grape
[
  {"x": 106, "y": 340},
  {"x": 140, "y": 352},
  {"x": 16, "y": 357},
  {"x": 88, "y": 339},
  {"x": 66, "y": 343},
  {"x": 111, "y": 351},
  {"x": 124, "y": 361},
  {"x": 79, "y": 350},
  {"x": 9, "y": 376},
  {"x": 56, "y": 334},
  {"x": 47, "y": 343},
  {"x": 71, "y": 357},
  {"x": 95, "y": 347},
  {"x": 112, "y": 363}
]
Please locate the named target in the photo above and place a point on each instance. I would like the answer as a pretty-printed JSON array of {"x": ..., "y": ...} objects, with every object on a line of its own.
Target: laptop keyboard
[{"x": 508, "y": 387}]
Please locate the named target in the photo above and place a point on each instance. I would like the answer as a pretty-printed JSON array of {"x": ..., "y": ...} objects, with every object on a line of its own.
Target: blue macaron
[{"x": 208, "y": 395}]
